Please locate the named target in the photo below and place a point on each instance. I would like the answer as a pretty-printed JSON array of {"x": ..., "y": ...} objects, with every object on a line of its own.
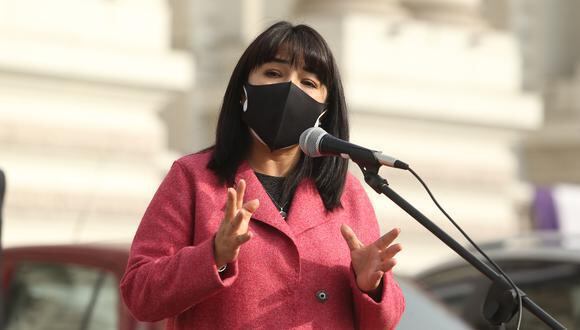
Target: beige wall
[{"x": 82, "y": 87}]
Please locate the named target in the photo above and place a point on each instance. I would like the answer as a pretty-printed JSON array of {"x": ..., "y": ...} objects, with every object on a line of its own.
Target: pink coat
[{"x": 279, "y": 277}]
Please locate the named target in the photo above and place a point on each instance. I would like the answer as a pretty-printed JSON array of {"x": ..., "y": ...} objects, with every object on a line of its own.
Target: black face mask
[{"x": 279, "y": 113}]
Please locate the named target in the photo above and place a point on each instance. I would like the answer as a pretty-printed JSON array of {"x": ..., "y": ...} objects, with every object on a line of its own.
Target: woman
[{"x": 275, "y": 250}]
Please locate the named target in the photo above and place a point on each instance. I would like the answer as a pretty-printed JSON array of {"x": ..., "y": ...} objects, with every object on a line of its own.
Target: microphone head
[{"x": 310, "y": 141}]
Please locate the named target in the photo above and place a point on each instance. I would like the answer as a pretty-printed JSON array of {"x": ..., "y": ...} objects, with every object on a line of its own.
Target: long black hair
[{"x": 306, "y": 47}]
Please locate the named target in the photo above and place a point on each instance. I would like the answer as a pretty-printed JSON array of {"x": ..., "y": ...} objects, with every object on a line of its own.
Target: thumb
[{"x": 350, "y": 238}]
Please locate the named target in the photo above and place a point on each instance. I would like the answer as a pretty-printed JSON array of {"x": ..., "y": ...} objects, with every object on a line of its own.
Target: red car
[
  {"x": 67, "y": 287},
  {"x": 76, "y": 287}
]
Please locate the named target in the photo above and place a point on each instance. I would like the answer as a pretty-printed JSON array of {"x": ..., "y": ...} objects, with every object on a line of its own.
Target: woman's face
[{"x": 280, "y": 70}]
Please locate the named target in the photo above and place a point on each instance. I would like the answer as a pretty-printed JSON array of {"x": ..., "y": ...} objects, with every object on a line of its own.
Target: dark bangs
[{"x": 306, "y": 49}]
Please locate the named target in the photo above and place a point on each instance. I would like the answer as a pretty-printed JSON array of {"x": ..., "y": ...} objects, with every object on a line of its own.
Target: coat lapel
[
  {"x": 306, "y": 211},
  {"x": 267, "y": 212}
]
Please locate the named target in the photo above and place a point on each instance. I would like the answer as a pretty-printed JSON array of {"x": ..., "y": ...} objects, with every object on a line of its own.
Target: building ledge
[{"x": 171, "y": 70}]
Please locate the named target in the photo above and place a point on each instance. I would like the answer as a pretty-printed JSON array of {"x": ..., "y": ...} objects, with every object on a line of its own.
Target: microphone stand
[{"x": 501, "y": 303}]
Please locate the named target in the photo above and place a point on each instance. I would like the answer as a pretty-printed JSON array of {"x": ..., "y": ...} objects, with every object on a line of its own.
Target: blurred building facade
[
  {"x": 83, "y": 88},
  {"x": 549, "y": 32},
  {"x": 97, "y": 98},
  {"x": 438, "y": 84}
]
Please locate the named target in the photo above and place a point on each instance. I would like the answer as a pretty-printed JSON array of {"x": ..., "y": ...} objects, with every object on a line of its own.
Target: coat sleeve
[
  {"x": 383, "y": 314},
  {"x": 387, "y": 311},
  {"x": 165, "y": 274}
]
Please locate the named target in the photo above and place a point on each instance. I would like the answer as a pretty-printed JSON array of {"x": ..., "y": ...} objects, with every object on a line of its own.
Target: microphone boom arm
[{"x": 381, "y": 186}]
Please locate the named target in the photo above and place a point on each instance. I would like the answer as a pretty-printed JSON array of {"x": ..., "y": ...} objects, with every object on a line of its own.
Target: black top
[{"x": 274, "y": 186}]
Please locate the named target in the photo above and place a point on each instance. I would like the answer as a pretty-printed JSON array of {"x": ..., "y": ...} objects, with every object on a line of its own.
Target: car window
[
  {"x": 57, "y": 296},
  {"x": 105, "y": 311},
  {"x": 555, "y": 286},
  {"x": 557, "y": 290}
]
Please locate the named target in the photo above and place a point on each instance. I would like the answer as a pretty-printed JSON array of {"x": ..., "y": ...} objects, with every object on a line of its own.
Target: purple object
[{"x": 544, "y": 210}]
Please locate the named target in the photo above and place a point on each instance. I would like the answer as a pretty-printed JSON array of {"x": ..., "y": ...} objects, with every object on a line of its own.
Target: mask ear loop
[
  {"x": 245, "y": 104},
  {"x": 317, "y": 123}
]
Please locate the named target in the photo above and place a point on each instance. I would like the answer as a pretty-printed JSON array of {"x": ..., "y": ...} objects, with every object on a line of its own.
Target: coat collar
[{"x": 306, "y": 211}]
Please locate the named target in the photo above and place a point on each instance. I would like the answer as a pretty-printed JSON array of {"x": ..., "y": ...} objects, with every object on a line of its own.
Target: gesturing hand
[
  {"x": 233, "y": 230},
  {"x": 372, "y": 261}
]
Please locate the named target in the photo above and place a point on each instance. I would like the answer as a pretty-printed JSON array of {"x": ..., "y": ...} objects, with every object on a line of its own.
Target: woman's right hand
[{"x": 233, "y": 230}]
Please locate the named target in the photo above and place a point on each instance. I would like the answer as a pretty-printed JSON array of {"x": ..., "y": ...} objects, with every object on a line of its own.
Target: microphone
[{"x": 316, "y": 142}]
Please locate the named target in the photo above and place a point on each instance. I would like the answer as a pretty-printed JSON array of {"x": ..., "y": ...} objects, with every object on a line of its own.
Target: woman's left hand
[{"x": 372, "y": 261}]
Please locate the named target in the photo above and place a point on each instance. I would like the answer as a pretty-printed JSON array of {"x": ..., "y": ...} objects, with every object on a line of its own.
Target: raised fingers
[
  {"x": 231, "y": 204},
  {"x": 350, "y": 238},
  {"x": 390, "y": 252},
  {"x": 387, "y": 239},
  {"x": 240, "y": 190}
]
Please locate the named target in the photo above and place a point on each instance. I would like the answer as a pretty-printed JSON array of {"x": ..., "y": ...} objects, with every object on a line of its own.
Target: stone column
[
  {"x": 216, "y": 33},
  {"x": 551, "y": 155},
  {"x": 549, "y": 32}
]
